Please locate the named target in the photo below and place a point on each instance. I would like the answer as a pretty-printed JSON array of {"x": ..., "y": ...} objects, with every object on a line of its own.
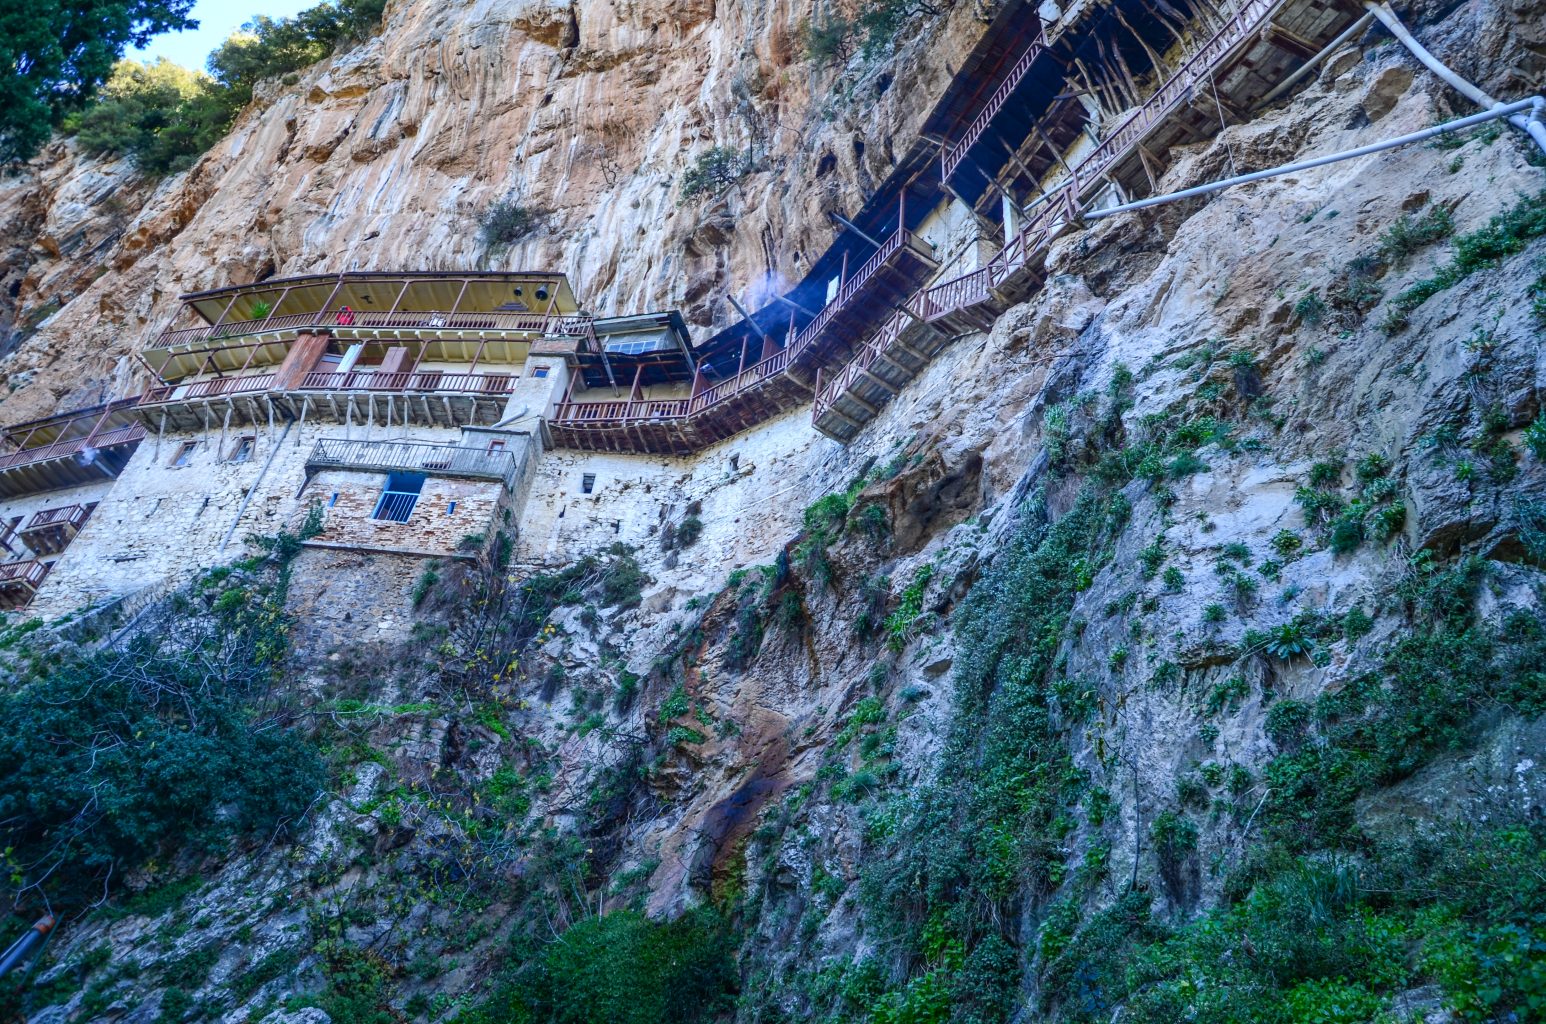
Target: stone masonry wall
[{"x": 164, "y": 522}]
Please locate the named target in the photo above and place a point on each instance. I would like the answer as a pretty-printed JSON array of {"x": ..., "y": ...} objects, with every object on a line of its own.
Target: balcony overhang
[
  {"x": 164, "y": 409},
  {"x": 411, "y": 457},
  {"x": 68, "y": 463},
  {"x": 373, "y": 292},
  {"x": 487, "y": 337},
  {"x": 19, "y": 582},
  {"x": 50, "y": 531}
]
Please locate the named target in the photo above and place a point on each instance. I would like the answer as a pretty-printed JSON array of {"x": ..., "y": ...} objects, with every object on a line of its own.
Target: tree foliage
[
  {"x": 164, "y": 116},
  {"x": 56, "y": 54},
  {"x": 167, "y": 748}
]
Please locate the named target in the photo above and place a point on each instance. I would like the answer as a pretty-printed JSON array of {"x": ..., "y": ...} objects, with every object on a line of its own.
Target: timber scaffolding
[{"x": 1008, "y": 123}]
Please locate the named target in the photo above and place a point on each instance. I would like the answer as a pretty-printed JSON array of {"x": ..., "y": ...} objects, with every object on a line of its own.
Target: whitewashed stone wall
[{"x": 163, "y": 522}]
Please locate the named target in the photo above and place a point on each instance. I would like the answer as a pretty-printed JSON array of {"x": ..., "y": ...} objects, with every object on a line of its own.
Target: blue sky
[{"x": 217, "y": 19}]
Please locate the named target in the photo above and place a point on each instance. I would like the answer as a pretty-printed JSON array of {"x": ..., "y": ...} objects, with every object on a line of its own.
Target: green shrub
[
  {"x": 899, "y": 624},
  {"x": 1310, "y": 310},
  {"x": 152, "y": 752},
  {"x": 829, "y": 40},
  {"x": 506, "y": 222},
  {"x": 688, "y": 531},
  {"x": 1504, "y": 235},
  {"x": 1408, "y": 234},
  {"x": 623, "y": 968},
  {"x": 713, "y": 172}
]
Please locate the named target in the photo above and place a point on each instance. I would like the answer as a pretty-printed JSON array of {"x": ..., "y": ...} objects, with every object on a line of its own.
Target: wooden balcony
[
  {"x": 680, "y": 426},
  {"x": 98, "y": 456},
  {"x": 19, "y": 581},
  {"x": 51, "y": 530},
  {"x": 359, "y": 396},
  {"x": 886, "y": 279},
  {"x": 366, "y": 325},
  {"x": 413, "y": 457},
  {"x": 952, "y": 156},
  {"x": 1238, "y": 61}
]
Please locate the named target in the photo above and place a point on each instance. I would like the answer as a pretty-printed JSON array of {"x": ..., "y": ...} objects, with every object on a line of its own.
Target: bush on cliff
[{"x": 163, "y": 750}]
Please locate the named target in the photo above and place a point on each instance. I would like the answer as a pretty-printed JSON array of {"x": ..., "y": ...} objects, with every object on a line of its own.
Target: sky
[{"x": 217, "y": 19}]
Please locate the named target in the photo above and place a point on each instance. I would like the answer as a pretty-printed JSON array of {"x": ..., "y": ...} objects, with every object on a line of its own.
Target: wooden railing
[
  {"x": 421, "y": 380},
  {"x": 31, "y": 572},
  {"x": 674, "y": 408},
  {"x": 1062, "y": 205},
  {"x": 953, "y": 155},
  {"x": 412, "y": 457},
  {"x": 811, "y": 331},
  {"x": 208, "y": 388},
  {"x": 64, "y": 515},
  {"x": 61, "y": 449},
  {"x": 514, "y": 323}
]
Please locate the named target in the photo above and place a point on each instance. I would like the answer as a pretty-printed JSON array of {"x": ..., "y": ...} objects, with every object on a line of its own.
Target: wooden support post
[
  {"x": 397, "y": 301},
  {"x": 331, "y": 296},
  {"x": 274, "y": 308},
  {"x": 221, "y": 318}
]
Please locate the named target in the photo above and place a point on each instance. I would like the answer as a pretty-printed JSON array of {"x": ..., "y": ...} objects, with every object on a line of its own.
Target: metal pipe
[
  {"x": 23, "y": 948},
  {"x": 247, "y": 498},
  {"x": 747, "y": 317},
  {"x": 1309, "y": 65},
  {"x": 1535, "y": 102},
  {"x": 854, "y": 228},
  {"x": 1531, "y": 125}
]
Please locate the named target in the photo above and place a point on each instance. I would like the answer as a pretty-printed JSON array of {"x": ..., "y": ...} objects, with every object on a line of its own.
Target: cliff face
[
  {"x": 1123, "y": 666},
  {"x": 385, "y": 157}
]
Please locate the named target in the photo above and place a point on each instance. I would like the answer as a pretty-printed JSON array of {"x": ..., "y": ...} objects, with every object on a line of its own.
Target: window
[
  {"x": 540, "y": 372},
  {"x": 332, "y": 501},
  {"x": 399, "y": 497},
  {"x": 496, "y": 446},
  {"x": 451, "y": 509},
  {"x": 243, "y": 450},
  {"x": 184, "y": 454},
  {"x": 588, "y": 483}
]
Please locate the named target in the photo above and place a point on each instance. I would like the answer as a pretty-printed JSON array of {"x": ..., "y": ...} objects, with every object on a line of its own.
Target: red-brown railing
[
  {"x": 611, "y": 413},
  {"x": 64, "y": 515},
  {"x": 951, "y": 158},
  {"x": 420, "y": 380},
  {"x": 61, "y": 449},
  {"x": 30, "y": 572},
  {"x": 516, "y": 323},
  {"x": 1062, "y": 205}
]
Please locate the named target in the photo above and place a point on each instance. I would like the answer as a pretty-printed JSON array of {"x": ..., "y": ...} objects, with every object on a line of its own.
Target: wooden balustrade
[
  {"x": 65, "y": 515},
  {"x": 62, "y": 449},
  {"x": 30, "y": 572},
  {"x": 514, "y": 323},
  {"x": 954, "y": 155},
  {"x": 420, "y": 380}
]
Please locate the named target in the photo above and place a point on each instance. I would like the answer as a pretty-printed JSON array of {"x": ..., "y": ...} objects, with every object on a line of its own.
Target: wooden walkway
[
  {"x": 884, "y": 325},
  {"x": 1242, "y": 61}
]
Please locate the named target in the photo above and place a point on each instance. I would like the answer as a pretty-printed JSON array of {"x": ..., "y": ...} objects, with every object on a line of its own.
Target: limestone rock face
[{"x": 384, "y": 156}]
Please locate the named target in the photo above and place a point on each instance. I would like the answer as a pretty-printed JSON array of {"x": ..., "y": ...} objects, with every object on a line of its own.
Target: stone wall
[
  {"x": 345, "y": 601},
  {"x": 447, "y": 513},
  {"x": 163, "y": 521}
]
